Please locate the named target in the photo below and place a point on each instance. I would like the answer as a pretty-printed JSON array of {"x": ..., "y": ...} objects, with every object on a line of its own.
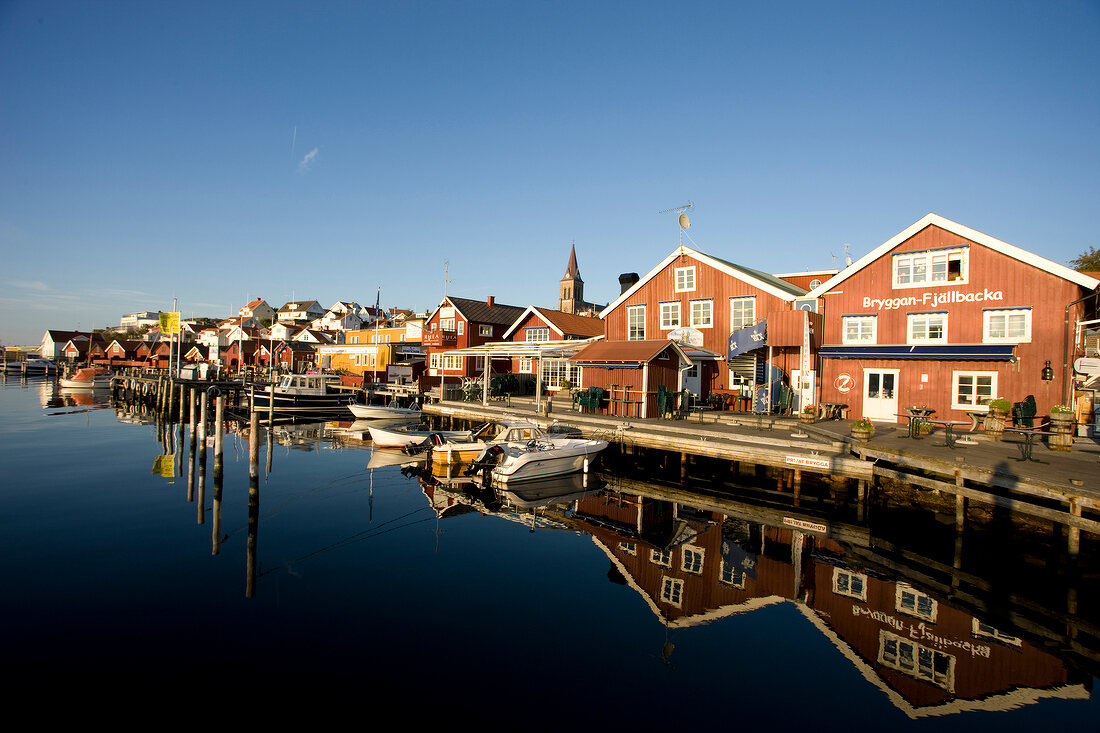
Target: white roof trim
[
  {"x": 522, "y": 348},
  {"x": 708, "y": 260},
  {"x": 532, "y": 309},
  {"x": 973, "y": 235}
]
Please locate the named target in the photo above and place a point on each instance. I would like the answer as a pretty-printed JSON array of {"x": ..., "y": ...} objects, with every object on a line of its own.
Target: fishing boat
[
  {"x": 540, "y": 457},
  {"x": 381, "y": 412},
  {"x": 87, "y": 378},
  {"x": 298, "y": 393},
  {"x": 398, "y": 436}
]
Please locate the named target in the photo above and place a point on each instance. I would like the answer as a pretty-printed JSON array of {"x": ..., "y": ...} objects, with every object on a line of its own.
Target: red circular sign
[{"x": 844, "y": 383}]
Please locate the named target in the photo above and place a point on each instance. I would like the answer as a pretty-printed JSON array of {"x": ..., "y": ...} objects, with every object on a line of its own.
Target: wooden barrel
[{"x": 1061, "y": 428}]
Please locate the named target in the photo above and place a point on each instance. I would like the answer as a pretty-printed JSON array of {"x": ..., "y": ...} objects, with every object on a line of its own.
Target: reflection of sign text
[
  {"x": 922, "y": 632},
  {"x": 930, "y": 298},
  {"x": 803, "y": 524}
]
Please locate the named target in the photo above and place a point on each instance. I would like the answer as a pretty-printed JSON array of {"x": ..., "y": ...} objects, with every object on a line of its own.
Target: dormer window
[
  {"x": 685, "y": 279},
  {"x": 933, "y": 267}
]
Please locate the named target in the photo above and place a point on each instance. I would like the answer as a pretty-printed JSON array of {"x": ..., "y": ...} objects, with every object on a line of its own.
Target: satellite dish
[{"x": 684, "y": 223}]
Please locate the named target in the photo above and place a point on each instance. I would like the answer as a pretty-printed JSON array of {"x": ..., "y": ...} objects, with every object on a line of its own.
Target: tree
[{"x": 1087, "y": 260}]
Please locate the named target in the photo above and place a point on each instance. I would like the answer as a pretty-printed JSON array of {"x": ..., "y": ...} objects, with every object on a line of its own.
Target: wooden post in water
[
  {"x": 254, "y": 445},
  {"x": 1074, "y": 546},
  {"x": 219, "y": 434},
  {"x": 200, "y": 483}
]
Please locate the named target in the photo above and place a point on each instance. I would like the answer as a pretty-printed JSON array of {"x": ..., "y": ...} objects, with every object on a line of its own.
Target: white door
[
  {"x": 880, "y": 394},
  {"x": 803, "y": 389},
  {"x": 692, "y": 383}
]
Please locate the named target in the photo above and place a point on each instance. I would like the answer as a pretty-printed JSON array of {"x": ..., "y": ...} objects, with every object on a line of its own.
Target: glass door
[{"x": 880, "y": 394}]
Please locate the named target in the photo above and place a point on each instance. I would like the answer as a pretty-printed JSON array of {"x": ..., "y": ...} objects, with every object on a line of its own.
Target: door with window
[{"x": 880, "y": 394}]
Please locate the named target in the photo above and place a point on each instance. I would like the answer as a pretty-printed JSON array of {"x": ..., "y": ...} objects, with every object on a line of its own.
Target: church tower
[{"x": 571, "y": 295}]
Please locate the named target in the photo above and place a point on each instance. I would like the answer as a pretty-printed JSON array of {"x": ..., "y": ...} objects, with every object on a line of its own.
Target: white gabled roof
[
  {"x": 1089, "y": 283},
  {"x": 743, "y": 274}
]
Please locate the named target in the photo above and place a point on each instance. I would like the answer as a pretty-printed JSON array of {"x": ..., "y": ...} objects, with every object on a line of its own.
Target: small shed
[{"x": 632, "y": 373}]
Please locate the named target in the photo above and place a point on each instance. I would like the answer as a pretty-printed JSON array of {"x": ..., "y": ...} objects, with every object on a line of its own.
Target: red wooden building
[
  {"x": 542, "y": 325},
  {"x": 716, "y": 307},
  {"x": 459, "y": 323},
  {"x": 946, "y": 317}
]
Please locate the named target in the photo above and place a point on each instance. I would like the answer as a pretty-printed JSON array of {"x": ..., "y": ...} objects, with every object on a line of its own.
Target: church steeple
[{"x": 571, "y": 295}]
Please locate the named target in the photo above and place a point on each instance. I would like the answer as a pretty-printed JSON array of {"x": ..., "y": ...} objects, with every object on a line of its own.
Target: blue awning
[
  {"x": 962, "y": 352},
  {"x": 748, "y": 339}
]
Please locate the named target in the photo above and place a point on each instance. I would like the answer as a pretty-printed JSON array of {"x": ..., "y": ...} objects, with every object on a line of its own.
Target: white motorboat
[
  {"x": 303, "y": 393},
  {"x": 401, "y": 436},
  {"x": 392, "y": 410},
  {"x": 539, "y": 457},
  {"x": 31, "y": 365},
  {"x": 87, "y": 378}
]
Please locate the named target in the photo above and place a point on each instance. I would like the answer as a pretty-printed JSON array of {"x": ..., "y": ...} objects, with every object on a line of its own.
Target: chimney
[
  {"x": 491, "y": 300},
  {"x": 626, "y": 281}
]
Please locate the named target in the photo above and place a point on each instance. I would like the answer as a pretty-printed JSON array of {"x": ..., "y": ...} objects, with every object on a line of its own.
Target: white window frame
[
  {"x": 704, "y": 316},
  {"x": 452, "y": 361},
  {"x": 915, "y": 660},
  {"x": 670, "y": 315},
  {"x": 435, "y": 361},
  {"x": 731, "y": 574},
  {"x": 990, "y": 316},
  {"x": 691, "y": 559},
  {"x": 929, "y": 319},
  {"x": 634, "y": 314},
  {"x": 537, "y": 334},
  {"x": 525, "y": 365},
  {"x": 446, "y": 324},
  {"x": 461, "y": 327},
  {"x": 739, "y": 321},
  {"x": 930, "y": 268},
  {"x": 867, "y": 328},
  {"x": 672, "y": 591},
  {"x": 684, "y": 279},
  {"x": 981, "y": 630},
  {"x": 850, "y": 584},
  {"x": 485, "y": 329},
  {"x": 661, "y": 558},
  {"x": 908, "y": 599},
  {"x": 977, "y": 393}
]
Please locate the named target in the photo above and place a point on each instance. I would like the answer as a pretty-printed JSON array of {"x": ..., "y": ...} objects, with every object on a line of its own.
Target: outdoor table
[
  {"x": 976, "y": 416},
  {"x": 914, "y": 423},
  {"x": 948, "y": 427},
  {"x": 831, "y": 410},
  {"x": 700, "y": 409},
  {"x": 1029, "y": 442}
]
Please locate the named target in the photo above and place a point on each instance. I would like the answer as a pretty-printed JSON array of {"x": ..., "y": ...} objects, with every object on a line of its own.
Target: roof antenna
[
  {"x": 847, "y": 255},
  {"x": 684, "y": 222},
  {"x": 446, "y": 273}
]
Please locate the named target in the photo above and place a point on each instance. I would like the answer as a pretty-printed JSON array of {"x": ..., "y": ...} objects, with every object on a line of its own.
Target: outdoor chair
[{"x": 1023, "y": 412}]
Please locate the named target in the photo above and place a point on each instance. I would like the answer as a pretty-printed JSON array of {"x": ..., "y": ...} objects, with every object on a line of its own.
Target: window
[
  {"x": 972, "y": 390},
  {"x": 525, "y": 365},
  {"x": 461, "y": 327},
  {"x": 1006, "y": 326},
  {"x": 692, "y": 559},
  {"x": 911, "y": 601},
  {"x": 660, "y": 557},
  {"x": 860, "y": 329},
  {"x": 635, "y": 323},
  {"x": 628, "y": 548},
  {"x": 447, "y": 324},
  {"x": 984, "y": 631},
  {"x": 847, "y": 583},
  {"x": 927, "y": 328},
  {"x": 742, "y": 312},
  {"x": 452, "y": 362},
  {"x": 435, "y": 361},
  {"x": 916, "y": 660},
  {"x": 685, "y": 279},
  {"x": 934, "y": 267},
  {"x": 730, "y": 574},
  {"x": 555, "y": 370},
  {"x": 814, "y": 284},
  {"x": 670, "y": 315},
  {"x": 485, "y": 330},
  {"x": 672, "y": 590},
  {"x": 702, "y": 314},
  {"x": 538, "y": 334}
]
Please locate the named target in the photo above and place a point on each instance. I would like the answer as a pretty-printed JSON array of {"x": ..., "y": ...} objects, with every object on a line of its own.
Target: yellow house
[{"x": 372, "y": 351}]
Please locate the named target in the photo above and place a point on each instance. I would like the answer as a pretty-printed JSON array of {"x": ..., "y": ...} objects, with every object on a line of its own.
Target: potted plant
[
  {"x": 809, "y": 412},
  {"x": 1061, "y": 428},
  {"x": 863, "y": 429},
  {"x": 995, "y": 419}
]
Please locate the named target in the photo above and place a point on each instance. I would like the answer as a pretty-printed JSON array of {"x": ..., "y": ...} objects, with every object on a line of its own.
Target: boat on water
[
  {"x": 455, "y": 451},
  {"x": 31, "y": 365},
  {"x": 382, "y": 412},
  {"x": 298, "y": 393},
  {"x": 538, "y": 458},
  {"x": 87, "y": 378},
  {"x": 399, "y": 436}
]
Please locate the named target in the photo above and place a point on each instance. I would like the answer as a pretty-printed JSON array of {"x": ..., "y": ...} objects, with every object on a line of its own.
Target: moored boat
[
  {"x": 451, "y": 451},
  {"x": 401, "y": 436},
  {"x": 538, "y": 458},
  {"x": 87, "y": 378},
  {"x": 392, "y": 410},
  {"x": 303, "y": 393}
]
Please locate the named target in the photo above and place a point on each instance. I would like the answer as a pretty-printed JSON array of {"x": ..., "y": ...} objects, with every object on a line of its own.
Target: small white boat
[
  {"x": 453, "y": 451},
  {"x": 538, "y": 458},
  {"x": 372, "y": 412},
  {"x": 401, "y": 436},
  {"x": 87, "y": 378}
]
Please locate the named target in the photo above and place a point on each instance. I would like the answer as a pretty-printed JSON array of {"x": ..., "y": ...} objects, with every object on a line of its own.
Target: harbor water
[{"x": 337, "y": 580}]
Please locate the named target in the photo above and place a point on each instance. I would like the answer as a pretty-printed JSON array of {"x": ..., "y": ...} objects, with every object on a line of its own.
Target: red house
[
  {"x": 459, "y": 323},
  {"x": 945, "y": 317}
]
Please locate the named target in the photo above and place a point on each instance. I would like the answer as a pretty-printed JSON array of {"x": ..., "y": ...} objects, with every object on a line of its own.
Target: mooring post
[
  {"x": 219, "y": 434},
  {"x": 1074, "y": 546}
]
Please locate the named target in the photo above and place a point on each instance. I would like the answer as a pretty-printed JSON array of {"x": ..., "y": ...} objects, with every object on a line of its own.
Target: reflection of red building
[{"x": 694, "y": 567}]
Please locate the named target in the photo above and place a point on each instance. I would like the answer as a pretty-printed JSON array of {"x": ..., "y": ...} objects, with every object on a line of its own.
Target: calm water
[{"x": 636, "y": 603}]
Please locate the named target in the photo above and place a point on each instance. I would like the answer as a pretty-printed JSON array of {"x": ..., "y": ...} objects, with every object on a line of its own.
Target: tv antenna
[
  {"x": 446, "y": 276},
  {"x": 683, "y": 220}
]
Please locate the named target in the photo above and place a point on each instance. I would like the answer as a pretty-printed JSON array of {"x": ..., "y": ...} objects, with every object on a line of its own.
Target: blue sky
[{"x": 219, "y": 151}]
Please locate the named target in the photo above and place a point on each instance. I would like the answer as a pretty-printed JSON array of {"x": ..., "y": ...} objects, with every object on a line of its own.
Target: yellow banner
[{"x": 169, "y": 322}]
